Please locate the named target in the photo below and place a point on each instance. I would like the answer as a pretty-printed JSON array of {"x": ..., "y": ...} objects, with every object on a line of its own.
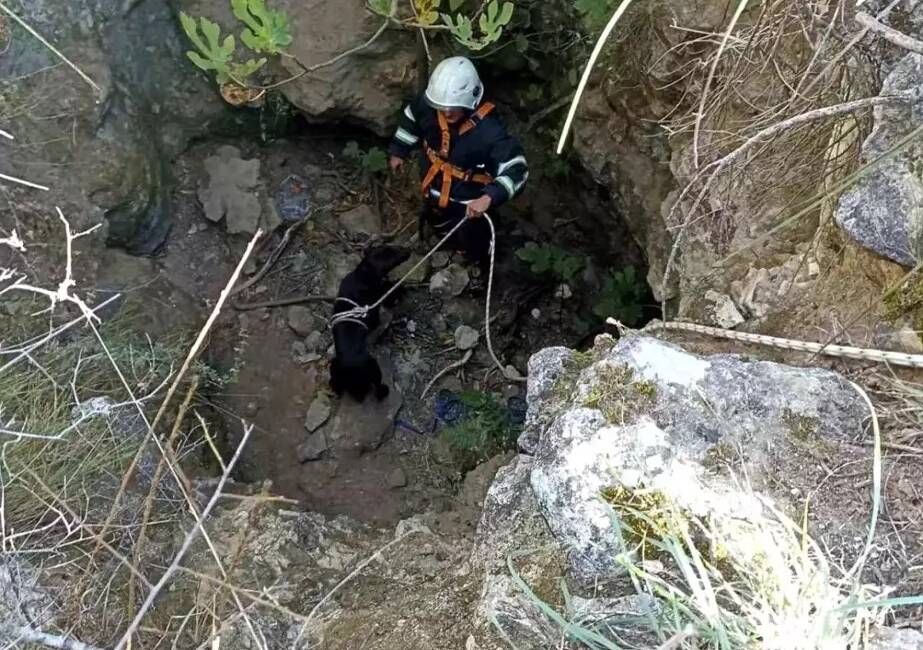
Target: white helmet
[{"x": 454, "y": 84}]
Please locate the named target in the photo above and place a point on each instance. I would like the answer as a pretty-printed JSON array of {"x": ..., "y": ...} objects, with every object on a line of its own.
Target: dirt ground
[{"x": 266, "y": 377}]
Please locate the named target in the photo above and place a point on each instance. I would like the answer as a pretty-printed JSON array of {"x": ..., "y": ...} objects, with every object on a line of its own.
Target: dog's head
[{"x": 381, "y": 260}]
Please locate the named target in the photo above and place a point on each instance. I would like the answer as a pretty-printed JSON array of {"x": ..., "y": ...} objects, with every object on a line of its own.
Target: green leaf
[
  {"x": 455, "y": 5},
  {"x": 266, "y": 30},
  {"x": 380, "y": 7},
  {"x": 593, "y": 9},
  {"x": 212, "y": 55},
  {"x": 506, "y": 14},
  {"x": 200, "y": 61},
  {"x": 243, "y": 71},
  {"x": 375, "y": 161},
  {"x": 351, "y": 150}
]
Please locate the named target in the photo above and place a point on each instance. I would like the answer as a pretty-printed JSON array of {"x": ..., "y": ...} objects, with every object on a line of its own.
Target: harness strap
[{"x": 439, "y": 160}]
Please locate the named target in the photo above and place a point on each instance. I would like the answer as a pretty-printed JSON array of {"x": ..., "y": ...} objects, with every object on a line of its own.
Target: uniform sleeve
[
  {"x": 510, "y": 169},
  {"x": 407, "y": 136}
]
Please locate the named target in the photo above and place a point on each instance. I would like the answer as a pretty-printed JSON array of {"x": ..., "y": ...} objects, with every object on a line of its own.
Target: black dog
[{"x": 354, "y": 370}]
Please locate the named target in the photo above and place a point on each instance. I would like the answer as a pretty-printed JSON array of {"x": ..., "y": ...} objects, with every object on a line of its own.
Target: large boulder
[
  {"x": 641, "y": 426},
  {"x": 646, "y": 413},
  {"x": 365, "y": 88},
  {"x": 884, "y": 210}
]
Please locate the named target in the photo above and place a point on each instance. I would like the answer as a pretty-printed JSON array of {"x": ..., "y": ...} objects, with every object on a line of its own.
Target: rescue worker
[{"x": 469, "y": 163}]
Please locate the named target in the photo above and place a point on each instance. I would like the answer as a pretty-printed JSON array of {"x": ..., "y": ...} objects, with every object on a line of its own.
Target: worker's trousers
[{"x": 472, "y": 239}]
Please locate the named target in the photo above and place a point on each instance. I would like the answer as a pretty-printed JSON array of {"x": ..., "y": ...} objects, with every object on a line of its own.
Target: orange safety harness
[{"x": 439, "y": 160}]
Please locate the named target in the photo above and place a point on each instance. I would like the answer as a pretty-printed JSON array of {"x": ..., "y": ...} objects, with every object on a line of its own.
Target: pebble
[
  {"x": 412, "y": 326},
  {"x": 466, "y": 338},
  {"x": 564, "y": 292},
  {"x": 301, "y": 320},
  {"x": 536, "y": 313},
  {"x": 440, "y": 259},
  {"x": 318, "y": 412},
  {"x": 450, "y": 281},
  {"x": 397, "y": 478},
  {"x": 313, "y": 448},
  {"x": 314, "y": 341}
]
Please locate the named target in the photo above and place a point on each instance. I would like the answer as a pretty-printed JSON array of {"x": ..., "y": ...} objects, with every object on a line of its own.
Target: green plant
[
  {"x": 484, "y": 430},
  {"x": 491, "y": 22},
  {"x": 265, "y": 31},
  {"x": 621, "y": 297},
  {"x": 372, "y": 161},
  {"x": 547, "y": 258},
  {"x": 490, "y": 19},
  {"x": 594, "y": 12}
]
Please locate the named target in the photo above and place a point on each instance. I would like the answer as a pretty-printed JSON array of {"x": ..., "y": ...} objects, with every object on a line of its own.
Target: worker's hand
[
  {"x": 478, "y": 207},
  {"x": 396, "y": 163}
]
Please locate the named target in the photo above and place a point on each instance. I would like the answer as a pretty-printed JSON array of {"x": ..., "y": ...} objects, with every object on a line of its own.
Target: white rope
[
  {"x": 490, "y": 285},
  {"x": 358, "y": 313},
  {"x": 840, "y": 351}
]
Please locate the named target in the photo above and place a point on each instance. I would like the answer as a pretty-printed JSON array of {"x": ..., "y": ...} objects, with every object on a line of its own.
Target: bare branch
[
  {"x": 13, "y": 241},
  {"x": 31, "y": 635},
  {"x": 191, "y": 537},
  {"x": 20, "y": 181},
  {"x": 9, "y": 12},
  {"x": 889, "y": 33}
]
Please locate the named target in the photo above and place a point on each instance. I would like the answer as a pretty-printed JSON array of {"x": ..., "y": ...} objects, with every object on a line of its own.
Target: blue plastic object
[{"x": 292, "y": 199}]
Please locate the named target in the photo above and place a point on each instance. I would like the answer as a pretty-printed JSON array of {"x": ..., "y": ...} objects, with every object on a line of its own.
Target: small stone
[
  {"x": 449, "y": 282},
  {"x": 318, "y": 412},
  {"x": 563, "y": 292},
  {"x": 813, "y": 269},
  {"x": 331, "y": 351},
  {"x": 298, "y": 349},
  {"x": 397, "y": 478},
  {"x": 725, "y": 312},
  {"x": 512, "y": 374},
  {"x": 466, "y": 338},
  {"x": 361, "y": 220},
  {"x": 252, "y": 409},
  {"x": 440, "y": 259},
  {"x": 417, "y": 277},
  {"x": 536, "y": 313},
  {"x": 314, "y": 341},
  {"x": 301, "y": 320},
  {"x": 313, "y": 448},
  {"x": 412, "y": 326}
]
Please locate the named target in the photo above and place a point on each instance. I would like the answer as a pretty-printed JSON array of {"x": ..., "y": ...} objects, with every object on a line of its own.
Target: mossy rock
[{"x": 618, "y": 396}]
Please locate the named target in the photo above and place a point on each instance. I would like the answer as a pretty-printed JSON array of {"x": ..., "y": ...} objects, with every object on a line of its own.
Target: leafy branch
[
  {"x": 490, "y": 19},
  {"x": 265, "y": 32}
]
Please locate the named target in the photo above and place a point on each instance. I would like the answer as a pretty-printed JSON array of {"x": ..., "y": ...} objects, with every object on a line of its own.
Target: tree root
[{"x": 442, "y": 373}]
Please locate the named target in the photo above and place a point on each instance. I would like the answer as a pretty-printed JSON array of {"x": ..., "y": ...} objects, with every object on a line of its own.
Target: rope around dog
[
  {"x": 358, "y": 312},
  {"x": 839, "y": 351}
]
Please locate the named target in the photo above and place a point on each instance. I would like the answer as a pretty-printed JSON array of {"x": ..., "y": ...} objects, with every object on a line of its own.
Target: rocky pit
[{"x": 353, "y": 526}]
